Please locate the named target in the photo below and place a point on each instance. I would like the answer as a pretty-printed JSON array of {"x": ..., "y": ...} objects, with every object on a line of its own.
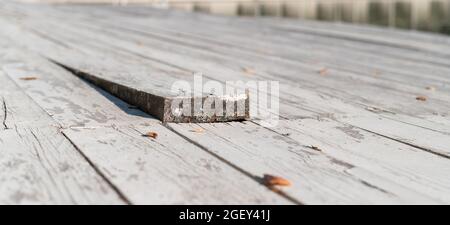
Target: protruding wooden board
[
  {"x": 147, "y": 86},
  {"x": 38, "y": 165},
  {"x": 319, "y": 96},
  {"x": 325, "y": 51},
  {"x": 371, "y": 93},
  {"x": 68, "y": 99},
  {"x": 150, "y": 42},
  {"x": 336, "y": 81},
  {"x": 163, "y": 170}
]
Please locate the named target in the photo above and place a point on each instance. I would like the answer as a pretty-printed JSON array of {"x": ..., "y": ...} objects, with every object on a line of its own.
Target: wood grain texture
[
  {"x": 369, "y": 94},
  {"x": 147, "y": 87},
  {"x": 402, "y": 164},
  {"x": 166, "y": 169},
  {"x": 377, "y": 92},
  {"x": 352, "y": 129},
  {"x": 38, "y": 164},
  {"x": 340, "y": 80},
  {"x": 313, "y": 174}
]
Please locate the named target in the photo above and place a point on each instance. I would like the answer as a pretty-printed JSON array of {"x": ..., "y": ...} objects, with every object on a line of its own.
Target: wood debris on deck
[{"x": 75, "y": 78}]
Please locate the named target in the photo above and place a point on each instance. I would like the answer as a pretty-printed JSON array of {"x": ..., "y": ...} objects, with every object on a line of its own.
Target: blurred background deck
[{"x": 425, "y": 15}]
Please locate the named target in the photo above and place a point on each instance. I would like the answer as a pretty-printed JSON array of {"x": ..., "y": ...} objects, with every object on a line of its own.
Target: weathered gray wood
[
  {"x": 147, "y": 87},
  {"x": 206, "y": 26},
  {"x": 339, "y": 74},
  {"x": 417, "y": 89},
  {"x": 414, "y": 109},
  {"x": 69, "y": 100},
  {"x": 369, "y": 89},
  {"x": 375, "y": 63},
  {"x": 325, "y": 48},
  {"x": 402, "y": 164},
  {"x": 211, "y": 70},
  {"x": 314, "y": 175},
  {"x": 165, "y": 170},
  {"x": 425, "y": 139},
  {"x": 38, "y": 165},
  {"x": 379, "y": 99}
]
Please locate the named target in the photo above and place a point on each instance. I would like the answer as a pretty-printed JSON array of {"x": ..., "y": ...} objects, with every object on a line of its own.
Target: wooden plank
[
  {"x": 417, "y": 89},
  {"x": 409, "y": 104},
  {"x": 317, "y": 178},
  {"x": 165, "y": 170},
  {"x": 147, "y": 87},
  {"x": 312, "y": 44},
  {"x": 168, "y": 169},
  {"x": 402, "y": 164},
  {"x": 207, "y": 26},
  {"x": 431, "y": 47},
  {"x": 414, "y": 107},
  {"x": 366, "y": 64},
  {"x": 333, "y": 96},
  {"x": 425, "y": 139},
  {"x": 38, "y": 165},
  {"x": 68, "y": 109},
  {"x": 108, "y": 136},
  {"x": 412, "y": 92}
]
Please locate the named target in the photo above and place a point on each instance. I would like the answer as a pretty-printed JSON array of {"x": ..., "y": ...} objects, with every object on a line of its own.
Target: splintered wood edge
[
  {"x": 173, "y": 114},
  {"x": 162, "y": 108}
]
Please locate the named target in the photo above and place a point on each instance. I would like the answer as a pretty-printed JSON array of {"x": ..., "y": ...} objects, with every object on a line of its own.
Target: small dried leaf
[
  {"x": 323, "y": 71},
  {"x": 151, "y": 134},
  {"x": 28, "y": 78},
  {"x": 198, "y": 130},
  {"x": 271, "y": 180},
  {"x": 430, "y": 88},
  {"x": 249, "y": 71},
  {"x": 421, "y": 98}
]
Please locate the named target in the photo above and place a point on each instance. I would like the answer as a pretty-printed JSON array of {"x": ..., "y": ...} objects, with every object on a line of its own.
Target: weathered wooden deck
[{"x": 350, "y": 91}]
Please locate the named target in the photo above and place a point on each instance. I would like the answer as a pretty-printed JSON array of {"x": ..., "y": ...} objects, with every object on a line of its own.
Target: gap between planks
[{"x": 115, "y": 187}]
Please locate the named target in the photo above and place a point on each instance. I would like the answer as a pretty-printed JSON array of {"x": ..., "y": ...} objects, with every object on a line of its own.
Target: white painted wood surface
[
  {"x": 352, "y": 134},
  {"x": 148, "y": 86},
  {"x": 375, "y": 92},
  {"x": 405, "y": 165},
  {"x": 318, "y": 178},
  {"x": 38, "y": 165},
  {"x": 165, "y": 170}
]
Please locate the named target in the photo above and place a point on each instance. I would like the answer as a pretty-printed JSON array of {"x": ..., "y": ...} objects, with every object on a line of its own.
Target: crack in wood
[
  {"x": 5, "y": 114},
  {"x": 120, "y": 194},
  {"x": 39, "y": 143},
  {"x": 407, "y": 143},
  {"x": 250, "y": 175},
  {"x": 375, "y": 187}
]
